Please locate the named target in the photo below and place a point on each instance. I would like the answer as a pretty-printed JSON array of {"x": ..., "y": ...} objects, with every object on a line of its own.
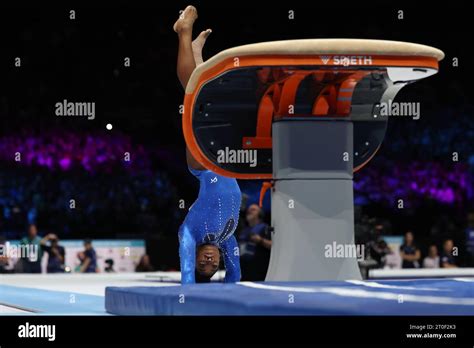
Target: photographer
[{"x": 55, "y": 252}]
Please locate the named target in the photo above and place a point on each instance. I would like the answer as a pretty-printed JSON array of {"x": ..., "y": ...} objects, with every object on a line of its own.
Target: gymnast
[{"x": 208, "y": 229}]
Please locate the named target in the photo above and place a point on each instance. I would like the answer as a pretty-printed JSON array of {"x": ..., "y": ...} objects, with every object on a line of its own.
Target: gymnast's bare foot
[
  {"x": 198, "y": 45},
  {"x": 186, "y": 19}
]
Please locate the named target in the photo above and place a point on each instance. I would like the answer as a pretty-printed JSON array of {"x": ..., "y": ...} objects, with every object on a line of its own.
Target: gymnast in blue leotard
[{"x": 207, "y": 232}]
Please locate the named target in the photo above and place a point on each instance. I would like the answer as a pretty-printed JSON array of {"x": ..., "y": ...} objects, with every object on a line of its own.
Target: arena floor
[{"x": 70, "y": 294}]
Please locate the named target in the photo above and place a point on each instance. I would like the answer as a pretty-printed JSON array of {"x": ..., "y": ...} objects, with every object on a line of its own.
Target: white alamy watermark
[
  {"x": 19, "y": 251},
  {"x": 237, "y": 156},
  {"x": 28, "y": 330},
  {"x": 405, "y": 109},
  {"x": 79, "y": 109},
  {"x": 343, "y": 251}
]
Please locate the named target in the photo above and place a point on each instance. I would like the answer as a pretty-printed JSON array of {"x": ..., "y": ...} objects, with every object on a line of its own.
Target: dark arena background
[{"x": 116, "y": 176}]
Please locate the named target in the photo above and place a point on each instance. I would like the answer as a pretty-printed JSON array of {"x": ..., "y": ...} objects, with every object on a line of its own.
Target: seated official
[
  {"x": 432, "y": 260},
  {"x": 447, "y": 258},
  {"x": 88, "y": 258},
  {"x": 409, "y": 252},
  {"x": 255, "y": 244},
  {"x": 32, "y": 262}
]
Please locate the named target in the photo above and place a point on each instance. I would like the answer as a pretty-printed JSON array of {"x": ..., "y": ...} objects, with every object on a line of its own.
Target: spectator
[
  {"x": 109, "y": 266},
  {"x": 409, "y": 253},
  {"x": 392, "y": 260},
  {"x": 56, "y": 253},
  {"x": 88, "y": 258},
  {"x": 31, "y": 263},
  {"x": 144, "y": 265},
  {"x": 3, "y": 256},
  {"x": 255, "y": 244},
  {"x": 470, "y": 239},
  {"x": 432, "y": 260},
  {"x": 447, "y": 258}
]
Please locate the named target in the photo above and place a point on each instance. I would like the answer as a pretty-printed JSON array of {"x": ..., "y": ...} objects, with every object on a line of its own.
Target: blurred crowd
[
  {"x": 388, "y": 181},
  {"x": 434, "y": 137},
  {"x": 77, "y": 204},
  {"x": 67, "y": 150}
]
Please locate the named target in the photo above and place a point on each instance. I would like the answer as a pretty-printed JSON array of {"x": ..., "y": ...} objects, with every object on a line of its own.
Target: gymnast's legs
[
  {"x": 189, "y": 52},
  {"x": 189, "y": 56}
]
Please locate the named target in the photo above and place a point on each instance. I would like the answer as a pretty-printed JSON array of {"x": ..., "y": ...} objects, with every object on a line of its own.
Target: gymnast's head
[{"x": 207, "y": 262}]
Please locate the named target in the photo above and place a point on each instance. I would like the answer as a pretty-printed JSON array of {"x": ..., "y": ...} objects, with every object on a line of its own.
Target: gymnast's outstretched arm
[
  {"x": 231, "y": 256},
  {"x": 187, "y": 255}
]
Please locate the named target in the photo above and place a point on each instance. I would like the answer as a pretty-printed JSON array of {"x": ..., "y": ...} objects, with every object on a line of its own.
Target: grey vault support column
[{"x": 312, "y": 201}]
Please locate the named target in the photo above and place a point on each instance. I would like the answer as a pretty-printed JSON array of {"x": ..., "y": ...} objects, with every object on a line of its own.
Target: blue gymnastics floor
[
  {"x": 388, "y": 297},
  {"x": 36, "y": 301}
]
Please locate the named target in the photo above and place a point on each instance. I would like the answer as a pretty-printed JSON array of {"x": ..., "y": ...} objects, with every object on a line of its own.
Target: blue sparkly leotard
[{"x": 212, "y": 219}]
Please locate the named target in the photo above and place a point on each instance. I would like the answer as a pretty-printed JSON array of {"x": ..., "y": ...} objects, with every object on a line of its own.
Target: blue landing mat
[{"x": 388, "y": 297}]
